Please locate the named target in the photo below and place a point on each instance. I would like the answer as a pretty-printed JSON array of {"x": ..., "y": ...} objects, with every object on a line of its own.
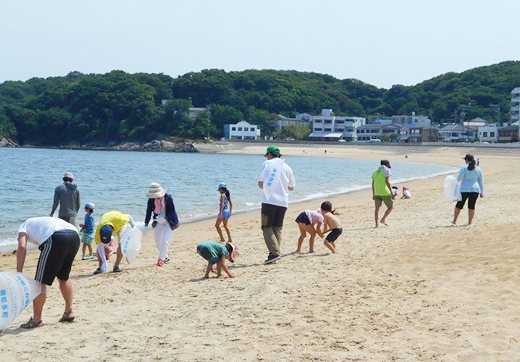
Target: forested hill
[{"x": 118, "y": 106}]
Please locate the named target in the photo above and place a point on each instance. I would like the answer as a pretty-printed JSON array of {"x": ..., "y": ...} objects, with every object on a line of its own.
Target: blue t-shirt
[
  {"x": 88, "y": 225},
  {"x": 212, "y": 251},
  {"x": 472, "y": 181}
]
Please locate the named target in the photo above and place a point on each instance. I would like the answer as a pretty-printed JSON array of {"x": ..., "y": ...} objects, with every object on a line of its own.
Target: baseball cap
[
  {"x": 106, "y": 234},
  {"x": 90, "y": 205},
  {"x": 386, "y": 163},
  {"x": 272, "y": 149},
  {"x": 222, "y": 185}
]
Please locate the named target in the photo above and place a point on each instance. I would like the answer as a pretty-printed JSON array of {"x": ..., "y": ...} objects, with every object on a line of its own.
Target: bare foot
[
  {"x": 298, "y": 251},
  {"x": 311, "y": 251},
  {"x": 383, "y": 222}
]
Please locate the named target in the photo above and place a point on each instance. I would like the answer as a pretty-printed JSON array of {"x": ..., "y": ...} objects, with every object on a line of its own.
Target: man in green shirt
[{"x": 381, "y": 190}]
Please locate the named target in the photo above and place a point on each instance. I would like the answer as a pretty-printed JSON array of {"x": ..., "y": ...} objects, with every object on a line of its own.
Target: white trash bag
[
  {"x": 17, "y": 291},
  {"x": 272, "y": 176},
  {"x": 131, "y": 244},
  {"x": 452, "y": 189},
  {"x": 139, "y": 225}
]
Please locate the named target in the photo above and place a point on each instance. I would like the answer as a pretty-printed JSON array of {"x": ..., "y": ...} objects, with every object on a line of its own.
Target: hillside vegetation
[{"x": 118, "y": 106}]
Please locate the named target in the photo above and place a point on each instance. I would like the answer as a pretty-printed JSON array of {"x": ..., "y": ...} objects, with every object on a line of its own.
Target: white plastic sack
[
  {"x": 17, "y": 291},
  {"x": 131, "y": 243},
  {"x": 139, "y": 225},
  {"x": 272, "y": 176},
  {"x": 452, "y": 189}
]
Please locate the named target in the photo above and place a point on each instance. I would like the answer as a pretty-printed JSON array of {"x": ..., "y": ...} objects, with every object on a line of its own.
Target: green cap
[{"x": 272, "y": 149}]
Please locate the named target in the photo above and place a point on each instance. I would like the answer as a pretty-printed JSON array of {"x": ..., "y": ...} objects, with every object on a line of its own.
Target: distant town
[{"x": 396, "y": 129}]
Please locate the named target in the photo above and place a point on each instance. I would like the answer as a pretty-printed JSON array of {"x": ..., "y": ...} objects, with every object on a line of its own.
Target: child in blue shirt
[{"x": 88, "y": 232}]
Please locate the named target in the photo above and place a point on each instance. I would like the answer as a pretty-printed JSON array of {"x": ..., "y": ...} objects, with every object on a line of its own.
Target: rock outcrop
[{"x": 5, "y": 142}]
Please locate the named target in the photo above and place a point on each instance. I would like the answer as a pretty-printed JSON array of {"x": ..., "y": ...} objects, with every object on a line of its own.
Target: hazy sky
[{"x": 379, "y": 42}]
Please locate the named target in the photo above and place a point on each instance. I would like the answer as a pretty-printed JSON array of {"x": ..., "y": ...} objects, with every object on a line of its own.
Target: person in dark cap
[
  {"x": 276, "y": 179},
  {"x": 471, "y": 186},
  {"x": 381, "y": 191},
  {"x": 67, "y": 197}
]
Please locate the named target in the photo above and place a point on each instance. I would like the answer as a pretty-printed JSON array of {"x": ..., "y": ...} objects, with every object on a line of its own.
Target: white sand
[{"x": 418, "y": 290}]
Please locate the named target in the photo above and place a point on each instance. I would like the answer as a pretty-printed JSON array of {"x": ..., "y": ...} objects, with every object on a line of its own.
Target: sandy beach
[{"x": 417, "y": 290}]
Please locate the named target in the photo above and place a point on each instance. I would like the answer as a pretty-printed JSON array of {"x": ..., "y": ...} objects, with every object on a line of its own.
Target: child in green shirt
[{"x": 217, "y": 253}]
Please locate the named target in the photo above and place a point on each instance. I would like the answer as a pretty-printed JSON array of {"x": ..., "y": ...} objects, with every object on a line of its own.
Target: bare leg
[
  {"x": 376, "y": 214},
  {"x": 227, "y": 230},
  {"x": 312, "y": 232},
  {"x": 67, "y": 291},
  {"x": 456, "y": 213},
  {"x": 329, "y": 245},
  {"x": 387, "y": 212},
  {"x": 209, "y": 269},
  {"x": 217, "y": 226},
  {"x": 303, "y": 234},
  {"x": 83, "y": 248},
  {"x": 89, "y": 249},
  {"x": 471, "y": 214},
  {"x": 38, "y": 303},
  {"x": 119, "y": 255}
]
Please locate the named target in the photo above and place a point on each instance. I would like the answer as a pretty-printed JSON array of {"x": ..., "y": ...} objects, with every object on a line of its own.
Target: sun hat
[
  {"x": 68, "y": 175},
  {"x": 106, "y": 234},
  {"x": 222, "y": 185},
  {"x": 405, "y": 188},
  {"x": 234, "y": 252},
  {"x": 90, "y": 205},
  {"x": 386, "y": 163},
  {"x": 272, "y": 149},
  {"x": 155, "y": 191}
]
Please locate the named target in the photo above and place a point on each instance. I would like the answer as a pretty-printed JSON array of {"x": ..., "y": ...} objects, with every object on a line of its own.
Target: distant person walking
[
  {"x": 276, "y": 180},
  {"x": 67, "y": 197},
  {"x": 160, "y": 207},
  {"x": 381, "y": 191},
  {"x": 59, "y": 243},
  {"x": 471, "y": 187}
]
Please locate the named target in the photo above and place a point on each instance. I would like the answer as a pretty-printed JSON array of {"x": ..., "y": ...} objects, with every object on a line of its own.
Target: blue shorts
[{"x": 226, "y": 214}]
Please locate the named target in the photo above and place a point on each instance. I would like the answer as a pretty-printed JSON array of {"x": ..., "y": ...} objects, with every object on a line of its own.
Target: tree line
[{"x": 117, "y": 106}]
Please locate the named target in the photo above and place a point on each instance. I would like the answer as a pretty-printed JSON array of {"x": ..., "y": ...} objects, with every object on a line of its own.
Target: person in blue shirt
[
  {"x": 472, "y": 185},
  {"x": 88, "y": 232}
]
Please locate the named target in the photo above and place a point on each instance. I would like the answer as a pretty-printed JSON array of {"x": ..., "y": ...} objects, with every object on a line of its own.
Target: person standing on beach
[
  {"x": 381, "y": 191},
  {"x": 67, "y": 196},
  {"x": 225, "y": 209},
  {"x": 59, "y": 242},
  {"x": 165, "y": 220},
  {"x": 276, "y": 180},
  {"x": 471, "y": 187}
]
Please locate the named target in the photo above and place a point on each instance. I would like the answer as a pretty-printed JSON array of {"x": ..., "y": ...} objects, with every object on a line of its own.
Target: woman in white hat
[{"x": 165, "y": 220}]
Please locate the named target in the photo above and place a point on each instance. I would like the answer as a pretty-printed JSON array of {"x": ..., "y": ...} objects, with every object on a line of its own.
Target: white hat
[
  {"x": 155, "y": 191},
  {"x": 68, "y": 175}
]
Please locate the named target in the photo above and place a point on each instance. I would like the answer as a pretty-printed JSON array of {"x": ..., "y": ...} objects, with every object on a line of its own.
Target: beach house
[
  {"x": 414, "y": 120},
  {"x": 303, "y": 119},
  {"x": 457, "y": 133},
  {"x": 515, "y": 105},
  {"x": 241, "y": 131},
  {"x": 508, "y": 134},
  {"x": 329, "y": 127},
  {"x": 488, "y": 133},
  {"x": 378, "y": 131},
  {"x": 417, "y": 134}
]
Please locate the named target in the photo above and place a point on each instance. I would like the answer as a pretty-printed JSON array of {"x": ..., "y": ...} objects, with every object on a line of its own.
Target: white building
[
  {"x": 515, "y": 105},
  {"x": 413, "y": 120},
  {"x": 241, "y": 131},
  {"x": 286, "y": 121},
  {"x": 457, "y": 133},
  {"x": 329, "y": 127},
  {"x": 476, "y": 123},
  {"x": 488, "y": 133}
]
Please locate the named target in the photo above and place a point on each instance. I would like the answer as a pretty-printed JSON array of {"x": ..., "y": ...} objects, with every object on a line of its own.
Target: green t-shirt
[
  {"x": 379, "y": 177},
  {"x": 212, "y": 251}
]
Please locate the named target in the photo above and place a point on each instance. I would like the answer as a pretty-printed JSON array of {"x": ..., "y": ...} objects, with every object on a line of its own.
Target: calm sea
[{"x": 116, "y": 180}]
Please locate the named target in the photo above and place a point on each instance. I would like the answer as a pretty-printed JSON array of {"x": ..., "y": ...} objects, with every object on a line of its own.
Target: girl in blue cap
[{"x": 226, "y": 206}]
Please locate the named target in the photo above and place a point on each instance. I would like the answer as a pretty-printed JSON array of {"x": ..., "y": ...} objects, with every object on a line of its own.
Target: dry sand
[{"x": 418, "y": 290}]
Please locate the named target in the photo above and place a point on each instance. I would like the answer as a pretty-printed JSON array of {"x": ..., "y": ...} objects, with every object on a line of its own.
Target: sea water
[{"x": 119, "y": 180}]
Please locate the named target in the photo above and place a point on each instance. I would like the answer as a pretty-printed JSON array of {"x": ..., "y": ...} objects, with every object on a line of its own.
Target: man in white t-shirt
[
  {"x": 276, "y": 179},
  {"x": 59, "y": 242}
]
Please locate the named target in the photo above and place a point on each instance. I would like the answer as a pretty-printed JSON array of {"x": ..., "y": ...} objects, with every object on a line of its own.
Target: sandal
[
  {"x": 67, "y": 317},
  {"x": 31, "y": 324}
]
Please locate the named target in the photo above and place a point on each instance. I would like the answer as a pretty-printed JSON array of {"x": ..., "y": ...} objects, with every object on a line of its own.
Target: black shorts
[
  {"x": 58, "y": 253},
  {"x": 272, "y": 215},
  {"x": 334, "y": 234},
  {"x": 303, "y": 219},
  {"x": 472, "y": 196}
]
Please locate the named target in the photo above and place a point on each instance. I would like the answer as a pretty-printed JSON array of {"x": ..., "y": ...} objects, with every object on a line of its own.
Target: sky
[{"x": 379, "y": 42}]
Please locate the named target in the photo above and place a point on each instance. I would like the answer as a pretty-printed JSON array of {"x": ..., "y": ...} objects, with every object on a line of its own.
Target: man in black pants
[
  {"x": 276, "y": 179},
  {"x": 59, "y": 242}
]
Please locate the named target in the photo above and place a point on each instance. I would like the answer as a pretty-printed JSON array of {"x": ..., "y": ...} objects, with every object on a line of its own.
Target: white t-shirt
[
  {"x": 39, "y": 229},
  {"x": 314, "y": 216},
  {"x": 280, "y": 195},
  {"x": 407, "y": 194}
]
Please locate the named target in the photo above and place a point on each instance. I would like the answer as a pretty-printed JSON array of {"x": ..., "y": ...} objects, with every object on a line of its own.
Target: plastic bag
[
  {"x": 17, "y": 291},
  {"x": 452, "y": 189},
  {"x": 131, "y": 243}
]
